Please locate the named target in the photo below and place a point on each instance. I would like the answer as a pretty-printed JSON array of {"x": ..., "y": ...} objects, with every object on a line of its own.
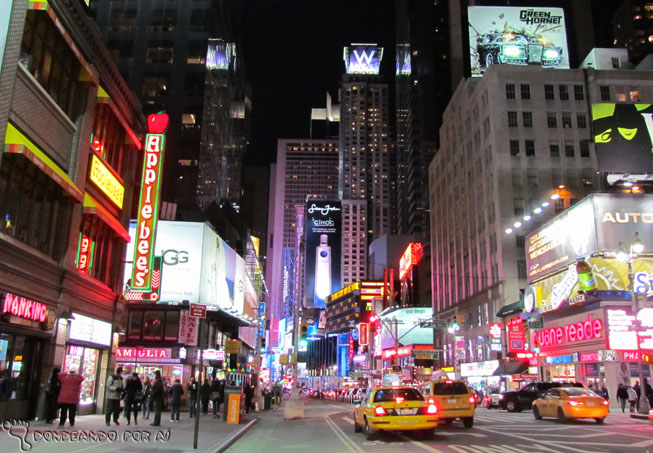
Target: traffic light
[
  {"x": 647, "y": 358},
  {"x": 262, "y": 349},
  {"x": 303, "y": 342}
]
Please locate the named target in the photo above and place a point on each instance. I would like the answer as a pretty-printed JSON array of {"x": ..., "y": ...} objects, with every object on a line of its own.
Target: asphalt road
[{"x": 328, "y": 427}]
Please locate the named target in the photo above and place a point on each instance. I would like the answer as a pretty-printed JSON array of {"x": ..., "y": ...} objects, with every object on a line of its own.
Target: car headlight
[
  {"x": 512, "y": 51},
  {"x": 551, "y": 53}
]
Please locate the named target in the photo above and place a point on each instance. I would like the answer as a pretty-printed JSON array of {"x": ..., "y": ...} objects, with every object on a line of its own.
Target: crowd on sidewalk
[{"x": 132, "y": 396}]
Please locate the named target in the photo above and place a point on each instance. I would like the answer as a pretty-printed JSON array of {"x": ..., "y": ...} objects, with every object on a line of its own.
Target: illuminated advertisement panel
[
  {"x": 410, "y": 258},
  {"x": 363, "y": 58},
  {"x": 623, "y": 134},
  {"x": 85, "y": 249},
  {"x": 220, "y": 54},
  {"x": 405, "y": 324},
  {"x": 403, "y": 66},
  {"x": 323, "y": 231},
  {"x": 148, "y": 205},
  {"x": 600, "y": 222},
  {"x": 517, "y": 36},
  {"x": 106, "y": 181}
]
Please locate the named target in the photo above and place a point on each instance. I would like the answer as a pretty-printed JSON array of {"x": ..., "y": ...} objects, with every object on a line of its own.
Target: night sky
[{"x": 293, "y": 55}]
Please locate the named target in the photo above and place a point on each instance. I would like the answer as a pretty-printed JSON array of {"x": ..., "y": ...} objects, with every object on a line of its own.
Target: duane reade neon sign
[
  {"x": 148, "y": 206},
  {"x": 589, "y": 329}
]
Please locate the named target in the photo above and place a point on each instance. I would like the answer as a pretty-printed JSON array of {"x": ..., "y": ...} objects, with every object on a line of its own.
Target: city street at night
[{"x": 328, "y": 427}]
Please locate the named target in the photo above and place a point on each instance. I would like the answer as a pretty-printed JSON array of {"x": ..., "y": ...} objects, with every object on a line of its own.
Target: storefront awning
[
  {"x": 511, "y": 309},
  {"x": 17, "y": 143},
  {"x": 92, "y": 206},
  {"x": 509, "y": 367}
]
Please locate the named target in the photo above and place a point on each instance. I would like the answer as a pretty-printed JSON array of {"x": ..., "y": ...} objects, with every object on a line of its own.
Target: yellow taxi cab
[
  {"x": 564, "y": 403},
  {"x": 394, "y": 408},
  {"x": 453, "y": 399}
]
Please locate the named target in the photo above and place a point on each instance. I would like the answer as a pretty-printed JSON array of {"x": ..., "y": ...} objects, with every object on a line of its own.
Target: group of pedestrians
[{"x": 633, "y": 394}]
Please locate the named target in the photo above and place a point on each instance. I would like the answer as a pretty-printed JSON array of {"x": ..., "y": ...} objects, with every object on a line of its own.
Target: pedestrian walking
[
  {"x": 133, "y": 396},
  {"x": 71, "y": 384},
  {"x": 216, "y": 396},
  {"x": 52, "y": 389},
  {"x": 193, "y": 388},
  {"x": 632, "y": 398},
  {"x": 205, "y": 391},
  {"x": 648, "y": 391},
  {"x": 147, "y": 398},
  {"x": 249, "y": 393},
  {"x": 638, "y": 390},
  {"x": 622, "y": 396},
  {"x": 156, "y": 396},
  {"x": 175, "y": 400},
  {"x": 114, "y": 393}
]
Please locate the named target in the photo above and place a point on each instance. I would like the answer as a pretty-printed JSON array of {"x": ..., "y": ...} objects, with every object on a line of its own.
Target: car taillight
[
  {"x": 606, "y": 402},
  {"x": 500, "y": 397},
  {"x": 432, "y": 409},
  {"x": 471, "y": 399},
  {"x": 431, "y": 401},
  {"x": 399, "y": 399},
  {"x": 379, "y": 411},
  {"x": 573, "y": 403}
]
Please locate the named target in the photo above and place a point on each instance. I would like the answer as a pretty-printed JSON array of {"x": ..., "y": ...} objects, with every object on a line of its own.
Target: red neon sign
[
  {"x": 590, "y": 329},
  {"x": 411, "y": 257},
  {"x": 516, "y": 335},
  {"x": 143, "y": 353},
  {"x": 589, "y": 356},
  {"x": 495, "y": 330},
  {"x": 84, "y": 258},
  {"x": 148, "y": 206},
  {"x": 24, "y": 308},
  {"x": 363, "y": 334}
]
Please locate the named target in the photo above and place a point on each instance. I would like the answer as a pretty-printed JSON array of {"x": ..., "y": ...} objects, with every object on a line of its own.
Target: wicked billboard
[{"x": 323, "y": 231}]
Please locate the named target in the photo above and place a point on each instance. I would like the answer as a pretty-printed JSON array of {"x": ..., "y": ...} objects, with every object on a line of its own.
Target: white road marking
[
  {"x": 419, "y": 444},
  {"x": 466, "y": 433},
  {"x": 343, "y": 437},
  {"x": 529, "y": 439},
  {"x": 348, "y": 420}
]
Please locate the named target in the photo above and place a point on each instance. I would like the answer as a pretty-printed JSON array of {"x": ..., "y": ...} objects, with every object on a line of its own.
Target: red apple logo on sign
[{"x": 157, "y": 123}]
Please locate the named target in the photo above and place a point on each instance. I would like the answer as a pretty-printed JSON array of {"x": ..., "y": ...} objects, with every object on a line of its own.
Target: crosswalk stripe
[{"x": 348, "y": 420}]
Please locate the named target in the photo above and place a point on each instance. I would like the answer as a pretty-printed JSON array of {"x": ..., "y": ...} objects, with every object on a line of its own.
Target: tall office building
[
  {"x": 632, "y": 28},
  {"x": 304, "y": 168},
  {"x": 367, "y": 183},
  {"x": 161, "y": 50},
  {"x": 516, "y": 148}
]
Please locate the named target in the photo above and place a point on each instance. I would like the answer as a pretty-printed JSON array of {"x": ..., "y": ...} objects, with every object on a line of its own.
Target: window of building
[
  {"x": 196, "y": 52},
  {"x": 47, "y": 56},
  {"x": 585, "y": 148},
  {"x": 514, "y": 147},
  {"x": 110, "y": 134},
  {"x": 581, "y": 120},
  {"x": 634, "y": 96},
  {"x": 520, "y": 241},
  {"x": 160, "y": 52},
  {"x": 532, "y": 178},
  {"x": 566, "y": 120},
  {"x": 529, "y": 146},
  {"x": 18, "y": 362},
  {"x": 605, "y": 92},
  {"x": 123, "y": 19},
  {"x": 521, "y": 269},
  {"x": 510, "y": 91},
  {"x": 516, "y": 177},
  {"x": 554, "y": 148},
  {"x": 559, "y": 205},
  {"x": 551, "y": 120},
  {"x": 525, "y": 91},
  {"x": 512, "y": 119},
  {"x": 616, "y": 64},
  {"x": 518, "y": 206},
  {"x": 548, "y": 92},
  {"x": 527, "y": 118},
  {"x": 194, "y": 83},
  {"x": 579, "y": 92},
  {"x": 33, "y": 208},
  {"x": 569, "y": 148},
  {"x": 155, "y": 85},
  {"x": 199, "y": 20},
  {"x": 163, "y": 20},
  {"x": 564, "y": 92}
]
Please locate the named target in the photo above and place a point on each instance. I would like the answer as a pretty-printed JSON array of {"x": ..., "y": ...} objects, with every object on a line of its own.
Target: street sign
[
  {"x": 232, "y": 347},
  {"x": 425, "y": 354},
  {"x": 536, "y": 323},
  {"x": 434, "y": 324},
  {"x": 197, "y": 311}
]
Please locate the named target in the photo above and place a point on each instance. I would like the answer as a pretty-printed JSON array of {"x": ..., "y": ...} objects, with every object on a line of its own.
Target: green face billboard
[{"x": 623, "y": 137}]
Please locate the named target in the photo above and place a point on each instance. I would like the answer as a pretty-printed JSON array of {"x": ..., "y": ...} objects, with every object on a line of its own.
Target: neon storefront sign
[
  {"x": 148, "y": 206},
  {"x": 589, "y": 356},
  {"x": 397, "y": 352},
  {"x": 106, "y": 181},
  {"x": 410, "y": 258},
  {"x": 143, "y": 353},
  {"x": 590, "y": 329},
  {"x": 24, "y": 308},
  {"x": 85, "y": 253}
]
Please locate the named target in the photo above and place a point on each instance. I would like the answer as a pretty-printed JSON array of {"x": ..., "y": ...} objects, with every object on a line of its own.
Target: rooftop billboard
[
  {"x": 517, "y": 36},
  {"x": 363, "y": 58},
  {"x": 623, "y": 134}
]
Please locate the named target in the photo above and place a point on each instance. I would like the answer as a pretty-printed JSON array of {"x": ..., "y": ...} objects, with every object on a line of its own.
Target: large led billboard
[
  {"x": 599, "y": 222},
  {"x": 199, "y": 266},
  {"x": 363, "y": 58},
  {"x": 405, "y": 325},
  {"x": 220, "y": 55},
  {"x": 322, "y": 239},
  {"x": 517, "y": 36},
  {"x": 623, "y": 134}
]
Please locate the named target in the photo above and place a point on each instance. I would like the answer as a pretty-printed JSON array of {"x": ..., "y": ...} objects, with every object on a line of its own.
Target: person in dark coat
[
  {"x": 133, "y": 397},
  {"x": 648, "y": 391},
  {"x": 175, "y": 400},
  {"x": 71, "y": 384},
  {"x": 147, "y": 398},
  {"x": 622, "y": 396},
  {"x": 216, "y": 389},
  {"x": 249, "y": 393},
  {"x": 193, "y": 388},
  {"x": 114, "y": 393},
  {"x": 157, "y": 398},
  {"x": 52, "y": 390},
  {"x": 205, "y": 391}
]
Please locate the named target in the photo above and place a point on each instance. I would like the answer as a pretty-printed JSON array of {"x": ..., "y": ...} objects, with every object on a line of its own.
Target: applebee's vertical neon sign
[{"x": 148, "y": 206}]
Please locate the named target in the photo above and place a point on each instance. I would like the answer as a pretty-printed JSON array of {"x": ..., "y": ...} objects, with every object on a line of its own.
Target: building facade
[{"x": 71, "y": 131}]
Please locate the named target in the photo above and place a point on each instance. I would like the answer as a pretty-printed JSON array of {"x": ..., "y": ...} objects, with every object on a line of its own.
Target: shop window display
[
  {"x": 83, "y": 361},
  {"x": 15, "y": 355}
]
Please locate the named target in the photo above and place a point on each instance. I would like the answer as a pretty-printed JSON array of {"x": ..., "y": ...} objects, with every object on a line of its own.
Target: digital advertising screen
[
  {"x": 322, "y": 239},
  {"x": 623, "y": 135},
  {"x": 363, "y": 58},
  {"x": 517, "y": 36}
]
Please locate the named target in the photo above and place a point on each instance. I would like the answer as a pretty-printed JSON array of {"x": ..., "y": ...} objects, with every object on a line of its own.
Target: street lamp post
[{"x": 627, "y": 255}]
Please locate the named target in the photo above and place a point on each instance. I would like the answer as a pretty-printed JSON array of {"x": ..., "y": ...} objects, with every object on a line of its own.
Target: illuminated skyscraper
[{"x": 367, "y": 171}]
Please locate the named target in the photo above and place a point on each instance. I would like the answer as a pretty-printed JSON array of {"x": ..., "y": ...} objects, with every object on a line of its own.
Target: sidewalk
[{"x": 91, "y": 434}]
